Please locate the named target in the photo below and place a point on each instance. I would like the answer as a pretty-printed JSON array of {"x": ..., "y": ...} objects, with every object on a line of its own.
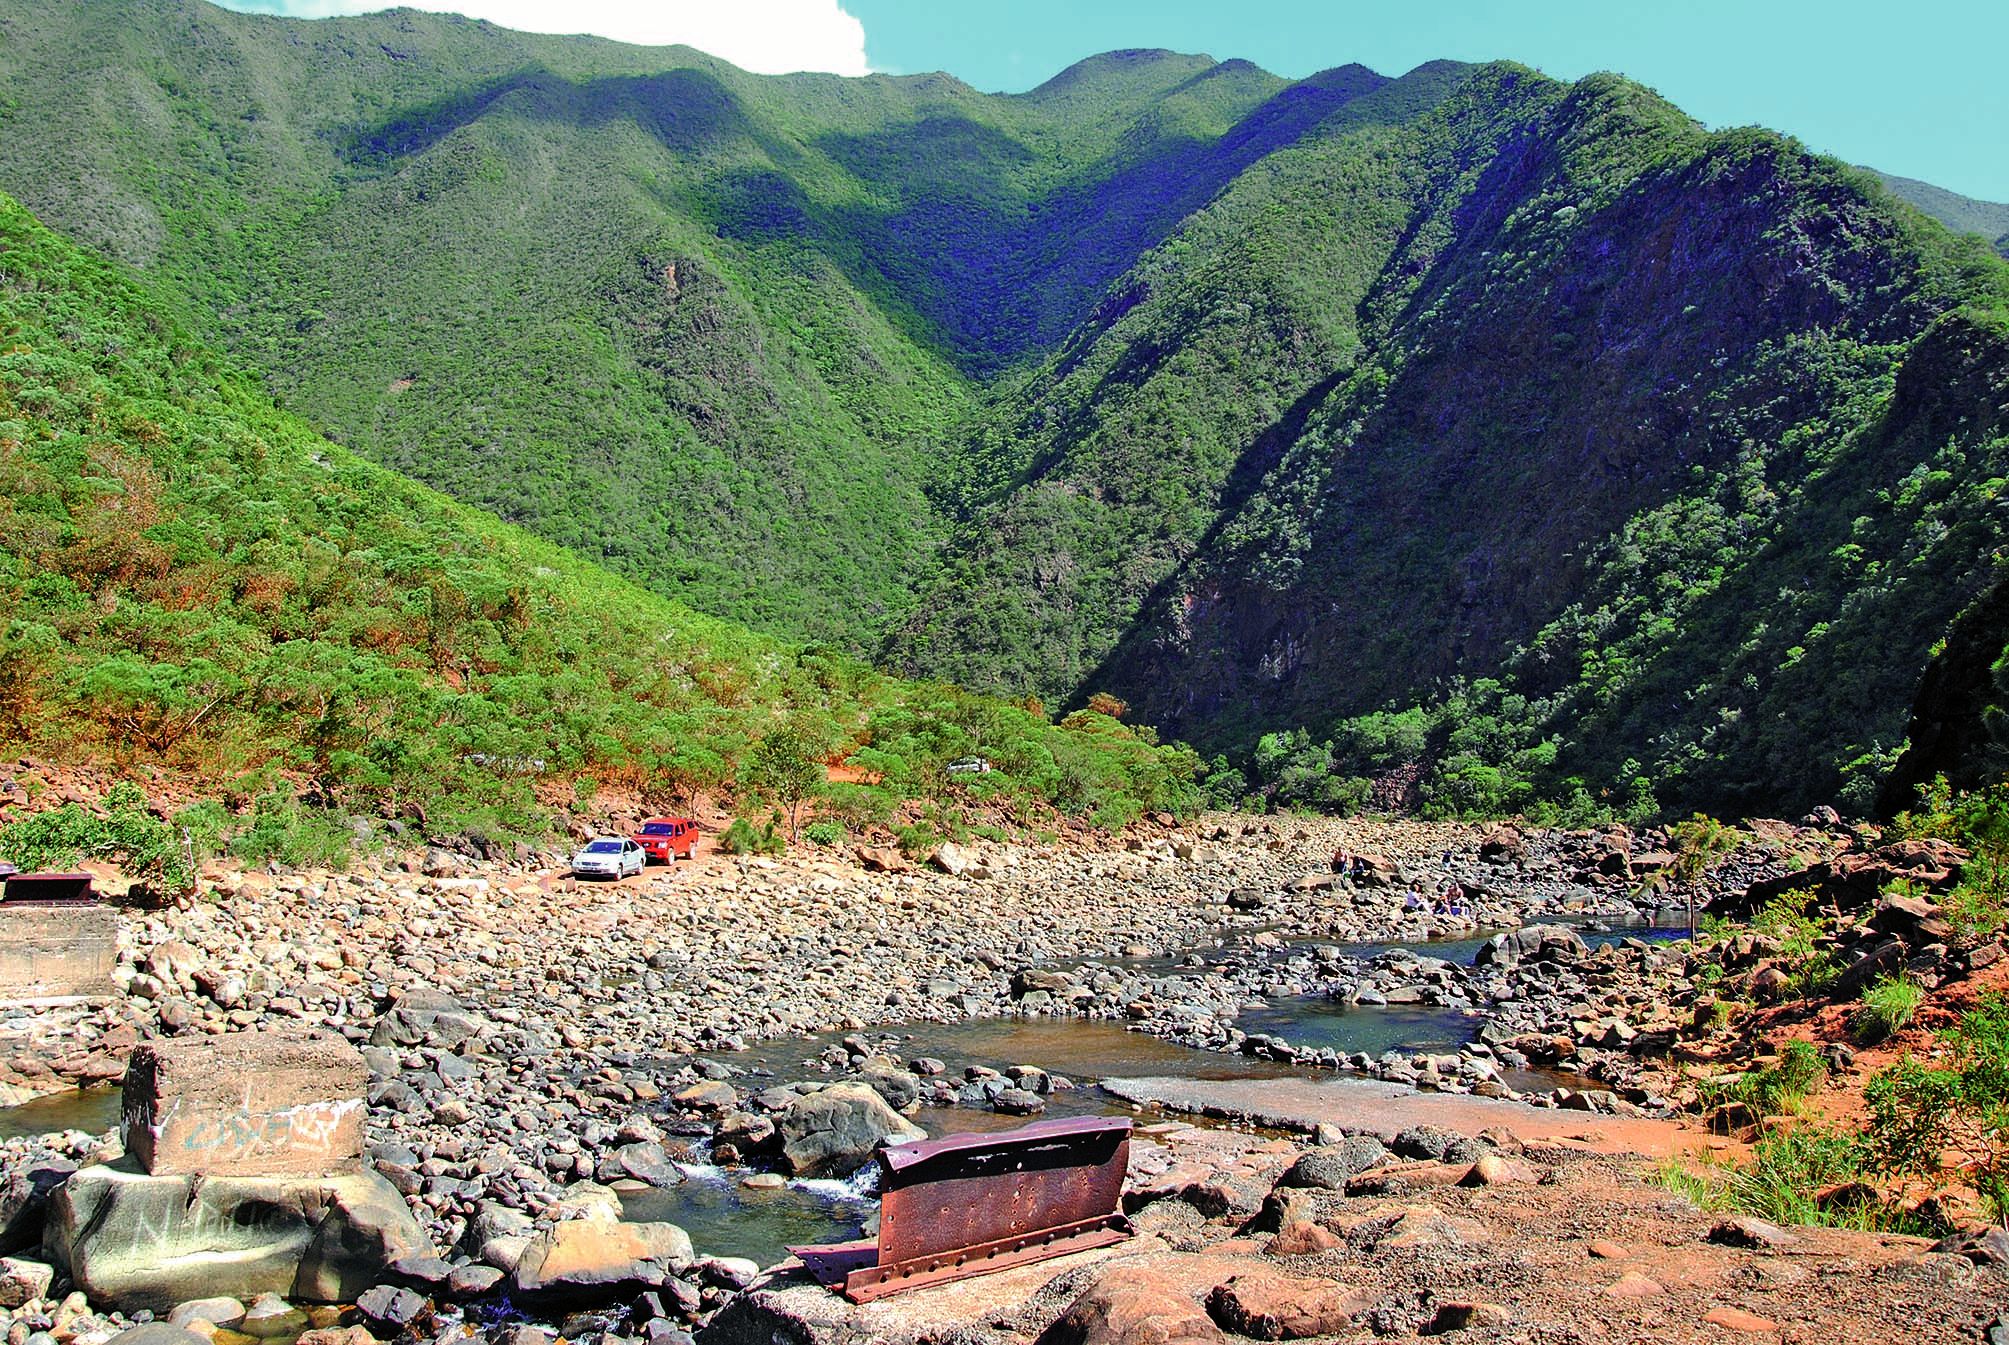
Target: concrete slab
[
  {"x": 266, "y": 1104},
  {"x": 58, "y": 952}
]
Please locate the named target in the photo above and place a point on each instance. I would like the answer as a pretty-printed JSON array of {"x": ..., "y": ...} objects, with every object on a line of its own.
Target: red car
[{"x": 667, "y": 838}]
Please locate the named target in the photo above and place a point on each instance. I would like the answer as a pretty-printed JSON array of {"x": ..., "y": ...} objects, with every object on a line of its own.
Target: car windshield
[
  {"x": 656, "y": 829},
  {"x": 604, "y": 848}
]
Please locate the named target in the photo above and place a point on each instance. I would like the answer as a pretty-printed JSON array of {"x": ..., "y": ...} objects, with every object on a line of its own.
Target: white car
[{"x": 609, "y": 857}]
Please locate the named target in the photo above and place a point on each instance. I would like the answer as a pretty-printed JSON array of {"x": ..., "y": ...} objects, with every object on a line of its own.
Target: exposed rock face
[
  {"x": 1269, "y": 1305},
  {"x": 132, "y": 1241},
  {"x": 1531, "y": 943},
  {"x": 835, "y": 1130},
  {"x": 255, "y": 1104},
  {"x": 594, "y": 1259},
  {"x": 1134, "y": 1305}
]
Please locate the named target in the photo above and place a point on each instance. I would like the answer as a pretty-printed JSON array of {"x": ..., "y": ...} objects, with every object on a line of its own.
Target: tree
[
  {"x": 1698, "y": 843},
  {"x": 787, "y": 767}
]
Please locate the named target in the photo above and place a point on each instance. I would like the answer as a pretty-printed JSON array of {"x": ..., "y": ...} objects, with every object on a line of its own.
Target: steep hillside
[
  {"x": 713, "y": 329},
  {"x": 1682, "y": 447},
  {"x": 1487, "y": 436},
  {"x": 1963, "y": 214},
  {"x": 191, "y": 578}
]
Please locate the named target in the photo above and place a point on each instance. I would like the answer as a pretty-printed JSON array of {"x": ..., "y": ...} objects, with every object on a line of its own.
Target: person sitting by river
[
  {"x": 1452, "y": 902},
  {"x": 1342, "y": 862},
  {"x": 1414, "y": 901}
]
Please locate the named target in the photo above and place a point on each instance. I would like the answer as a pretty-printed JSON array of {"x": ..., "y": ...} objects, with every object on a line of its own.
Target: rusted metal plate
[
  {"x": 970, "y": 1204},
  {"x": 49, "y": 887}
]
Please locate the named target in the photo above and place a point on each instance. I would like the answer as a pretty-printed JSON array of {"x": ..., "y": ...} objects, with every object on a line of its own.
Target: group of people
[{"x": 1454, "y": 900}]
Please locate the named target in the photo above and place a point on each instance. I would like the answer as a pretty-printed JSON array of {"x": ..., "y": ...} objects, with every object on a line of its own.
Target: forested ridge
[{"x": 1467, "y": 439}]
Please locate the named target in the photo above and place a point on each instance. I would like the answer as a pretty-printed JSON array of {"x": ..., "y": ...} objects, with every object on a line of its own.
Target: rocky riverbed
[{"x": 542, "y": 1050}]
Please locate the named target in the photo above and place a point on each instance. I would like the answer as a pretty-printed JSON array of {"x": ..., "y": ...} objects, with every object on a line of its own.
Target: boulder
[
  {"x": 836, "y": 1129},
  {"x": 1270, "y": 1305},
  {"x": 426, "y": 1018},
  {"x": 131, "y": 1240},
  {"x": 23, "y": 1281},
  {"x": 256, "y": 1104},
  {"x": 583, "y": 1261},
  {"x": 24, "y": 1200},
  {"x": 1133, "y": 1305},
  {"x": 1531, "y": 943},
  {"x": 952, "y": 859},
  {"x": 1503, "y": 845},
  {"x": 883, "y": 859}
]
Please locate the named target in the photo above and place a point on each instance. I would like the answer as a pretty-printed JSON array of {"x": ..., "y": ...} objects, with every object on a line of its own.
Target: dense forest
[
  {"x": 1467, "y": 439},
  {"x": 191, "y": 577}
]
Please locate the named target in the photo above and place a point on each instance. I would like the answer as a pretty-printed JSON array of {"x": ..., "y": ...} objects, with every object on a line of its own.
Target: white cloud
[{"x": 772, "y": 37}]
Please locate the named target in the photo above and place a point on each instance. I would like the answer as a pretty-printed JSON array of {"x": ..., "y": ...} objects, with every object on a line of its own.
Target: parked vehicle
[
  {"x": 970, "y": 766},
  {"x": 609, "y": 857},
  {"x": 667, "y": 839}
]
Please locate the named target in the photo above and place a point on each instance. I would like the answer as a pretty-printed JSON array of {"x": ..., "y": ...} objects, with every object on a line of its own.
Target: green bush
[
  {"x": 1773, "y": 1089},
  {"x": 282, "y": 830},
  {"x": 1887, "y": 1008},
  {"x": 1920, "y": 1110},
  {"x": 744, "y": 838},
  {"x": 125, "y": 832},
  {"x": 824, "y": 833}
]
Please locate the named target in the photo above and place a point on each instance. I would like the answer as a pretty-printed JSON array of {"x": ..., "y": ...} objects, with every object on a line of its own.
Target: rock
[
  {"x": 1133, "y": 1305},
  {"x": 1531, "y": 943},
  {"x": 883, "y": 859},
  {"x": 156, "y": 1333},
  {"x": 900, "y": 1088},
  {"x": 1018, "y": 1102},
  {"x": 472, "y": 1281},
  {"x": 594, "y": 1260},
  {"x": 217, "y": 1311},
  {"x": 1269, "y": 1305},
  {"x": 952, "y": 859},
  {"x": 1301, "y": 1237},
  {"x": 1744, "y": 1231},
  {"x": 426, "y": 1018},
  {"x": 1247, "y": 899},
  {"x": 1503, "y": 844},
  {"x": 269, "y": 1316},
  {"x": 1632, "y": 1284},
  {"x": 836, "y": 1129},
  {"x": 1740, "y": 1321},
  {"x": 1499, "y": 1170},
  {"x": 23, "y": 1281},
  {"x": 24, "y": 1200},
  {"x": 389, "y": 1310},
  {"x": 1608, "y": 1251},
  {"x": 334, "y": 1335},
  {"x": 134, "y": 1241},
  {"x": 1468, "y": 1316},
  {"x": 256, "y": 1104},
  {"x": 1328, "y": 1167}
]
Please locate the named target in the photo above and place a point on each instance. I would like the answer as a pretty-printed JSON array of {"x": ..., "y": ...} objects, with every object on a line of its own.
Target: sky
[{"x": 1915, "y": 88}]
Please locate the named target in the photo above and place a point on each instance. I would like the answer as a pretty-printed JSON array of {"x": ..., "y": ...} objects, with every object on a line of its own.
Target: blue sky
[{"x": 1919, "y": 88}]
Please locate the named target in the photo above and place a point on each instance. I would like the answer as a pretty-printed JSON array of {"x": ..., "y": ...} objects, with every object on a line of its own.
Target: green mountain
[
  {"x": 1963, "y": 214},
  {"x": 1482, "y": 435},
  {"x": 1612, "y": 450},
  {"x": 191, "y": 577}
]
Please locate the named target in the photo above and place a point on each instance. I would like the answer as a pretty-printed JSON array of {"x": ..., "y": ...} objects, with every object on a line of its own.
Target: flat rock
[{"x": 1270, "y": 1305}]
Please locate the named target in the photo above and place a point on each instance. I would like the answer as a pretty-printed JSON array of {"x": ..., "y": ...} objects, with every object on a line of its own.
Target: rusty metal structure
[
  {"x": 973, "y": 1204},
  {"x": 48, "y": 888}
]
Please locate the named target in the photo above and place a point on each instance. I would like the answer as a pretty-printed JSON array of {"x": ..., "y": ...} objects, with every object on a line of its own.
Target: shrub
[
  {"x": 285, "y": 831},
  {"x": 1921, "y": 1111},
  {"x": 1802, "y": 1175},
  {"x": 125, "y": 832},
  {"x": 744, "y": 838},
  {"x": 1887, "y": 1008},
  {"x": 824, "y": 833}
]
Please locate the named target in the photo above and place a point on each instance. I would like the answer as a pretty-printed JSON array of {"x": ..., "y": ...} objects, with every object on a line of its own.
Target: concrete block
[
  {"x": 57, "y": 951},
  {"x": 270, "y": 1104}
]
